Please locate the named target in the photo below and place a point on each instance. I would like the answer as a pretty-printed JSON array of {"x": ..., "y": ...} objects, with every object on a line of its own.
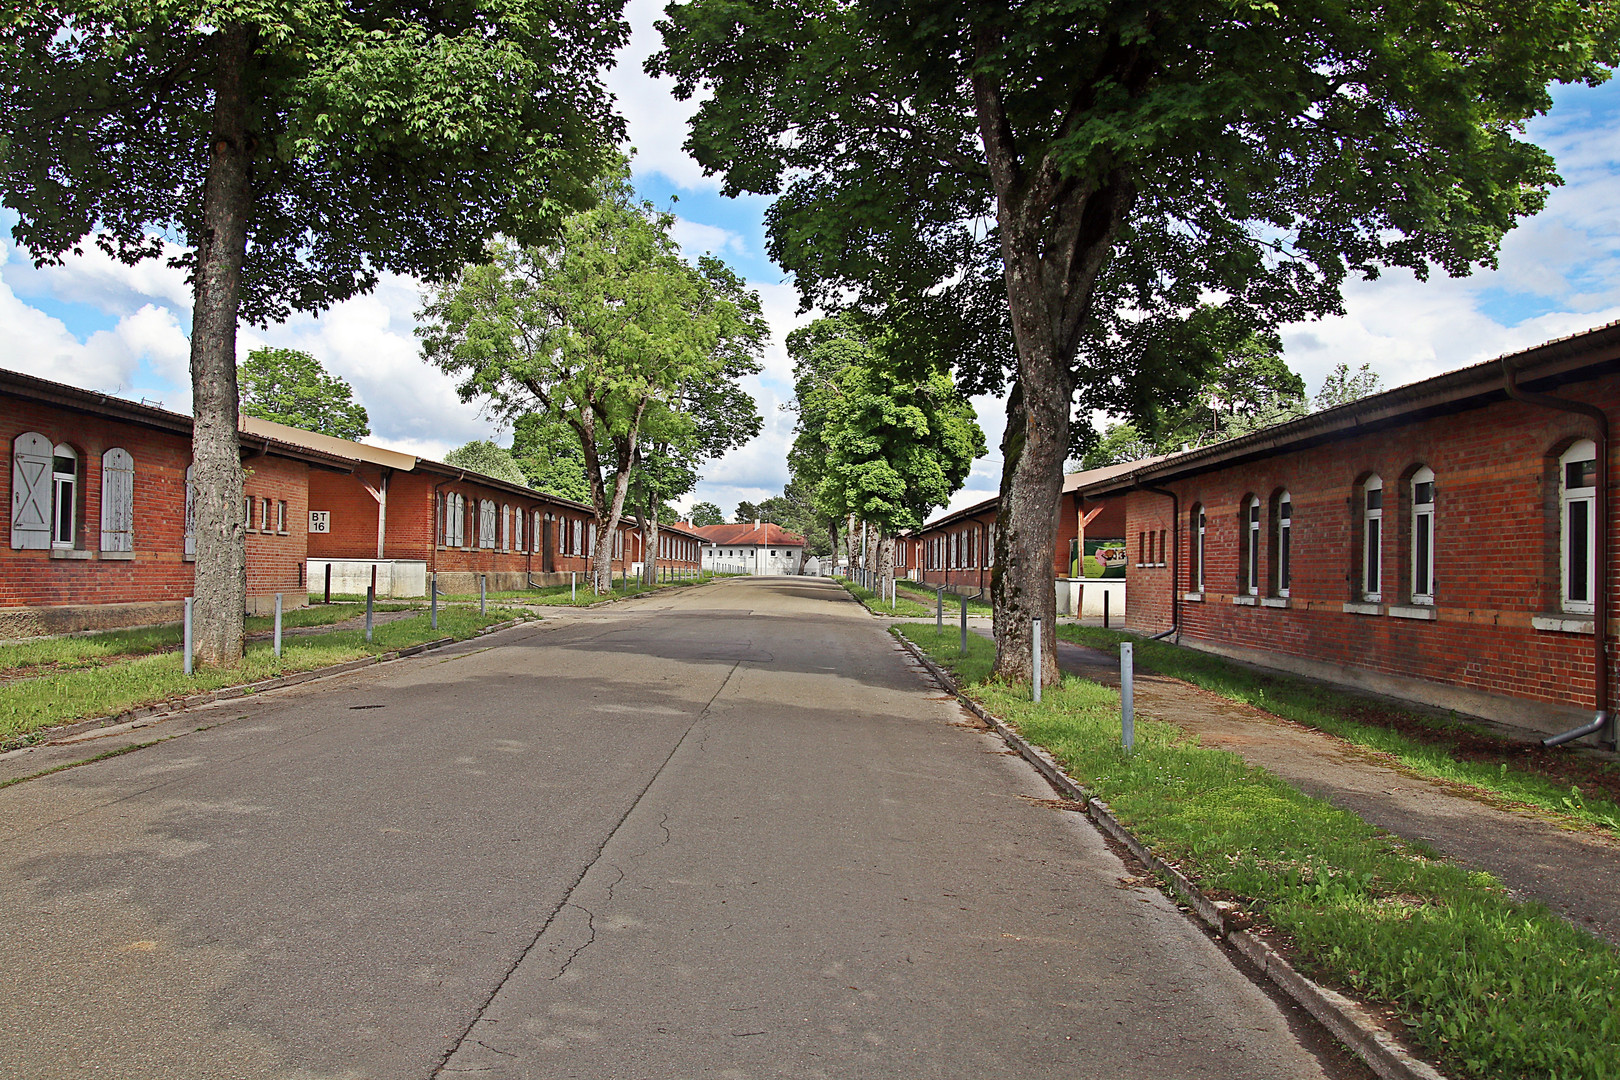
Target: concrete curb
[
  {"x": 85, "y": 730},
  {"x": 1350, "y": 1021}
]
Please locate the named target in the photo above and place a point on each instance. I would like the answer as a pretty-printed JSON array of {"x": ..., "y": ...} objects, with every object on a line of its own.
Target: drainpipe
[
  {"x": 1175, "y": 560},
  {"x": 1603, "y": 720}
]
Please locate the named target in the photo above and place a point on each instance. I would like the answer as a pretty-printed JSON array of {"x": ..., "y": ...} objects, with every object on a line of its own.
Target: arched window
[
  {"x": 1423, "y": 536},
  {"x": 517, "y": 528},
  {"x": 486, "y": 523},
  {"x": 1284, "y": 541},
  {"x": 1196, "y": 531},
  {"x": 1577, "y": 475},
  {"x": 64, "y": 495},
  {"x": 1250, "y": 582},
  {"x": 191, "y": 513},
  {"x": 117, "y": 500},
  {"x": 1372, "y": 540}
]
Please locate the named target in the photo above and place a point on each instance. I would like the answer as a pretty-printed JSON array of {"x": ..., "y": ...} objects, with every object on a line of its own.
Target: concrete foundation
[
  {"x": 399, "y": 579},
  {"x": 1084, "y": 597}
]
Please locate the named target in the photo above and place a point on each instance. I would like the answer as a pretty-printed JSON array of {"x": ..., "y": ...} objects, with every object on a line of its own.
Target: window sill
[
  {"x": 1351, "y": 608},
  {"x": 70, "y": 553},
  {"x": 1246, "y": 601},
  {"x": 1563, "y": 624},
  {"x": 116, "y": 556},
  {"x": 1274, "y": 602},
  {"x": 189, "y": 556},
  {"x": 1413, "y": 611},
  {"x": 1193, "y": 597},
  {"x": 281, "y": 532}
]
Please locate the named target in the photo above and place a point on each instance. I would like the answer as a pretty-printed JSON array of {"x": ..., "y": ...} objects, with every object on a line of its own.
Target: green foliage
[
  {"x": 291, "y": 387},
  {"x": 1342, "y": 386},
  {"x": 1119, "y": 443},
  {"x": 482, "y": 456},
  {"x": 1491, "y": 987},
  {"x": 548, "y": 452},
  {"x": 747, "y": 513},
  {"x": 382, "y": 138},
  {"x": 882, "y": 445},
  {"x": 707, "y": 513}
]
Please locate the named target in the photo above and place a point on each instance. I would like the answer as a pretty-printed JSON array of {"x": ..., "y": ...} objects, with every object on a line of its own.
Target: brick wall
[
  {"x": 1496, "y": 545},
  {"x": 85, "y": 587}
]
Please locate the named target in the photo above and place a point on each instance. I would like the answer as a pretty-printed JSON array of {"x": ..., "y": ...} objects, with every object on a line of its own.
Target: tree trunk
[
  {"x": 649, "y": 541},
  {"x": 832, "y": 534},
  {"x": 849, "y": 545},
  {"x": 1022, "y": 586},
  {"x": 607, "y": 523},
  {"x": 220, "y": 584},
  {"x": 885, "y": 562}
]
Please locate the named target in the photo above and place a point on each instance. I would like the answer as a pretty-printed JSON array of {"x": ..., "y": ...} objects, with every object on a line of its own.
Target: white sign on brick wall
[{"x": 320, "y": 521}]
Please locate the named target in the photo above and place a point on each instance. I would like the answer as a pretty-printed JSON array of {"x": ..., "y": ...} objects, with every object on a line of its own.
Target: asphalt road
[{"x": 729, "y": 832}]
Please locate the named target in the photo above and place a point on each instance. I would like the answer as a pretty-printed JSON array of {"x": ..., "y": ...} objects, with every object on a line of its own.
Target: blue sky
[{"x": 103, "y": 326}]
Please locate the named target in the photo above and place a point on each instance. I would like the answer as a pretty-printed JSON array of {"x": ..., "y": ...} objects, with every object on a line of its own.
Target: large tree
[
  {"x": 893, "y": 447},
  {"x": 707, "y": 513},
  {"x": 1046, "y": 188},
  {"x": 295, "y": 149},
  {"x": 483, "y": 456},
  {"x": 291, "y": 387},
  {"x": 548, "y": 452},
  {"x": 596, "y": 329}
]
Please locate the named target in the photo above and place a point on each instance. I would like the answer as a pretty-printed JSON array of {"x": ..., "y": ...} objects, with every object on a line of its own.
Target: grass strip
[
  {"x": 1492, "y": 988},
  {"x": 912, "y": 601},
  {"x": 26, "y": 706},
  {"x": 1557, "y": 783}
]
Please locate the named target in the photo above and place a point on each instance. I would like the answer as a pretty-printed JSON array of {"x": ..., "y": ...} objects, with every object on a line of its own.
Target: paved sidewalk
[{"x": 1574, "y": 873}]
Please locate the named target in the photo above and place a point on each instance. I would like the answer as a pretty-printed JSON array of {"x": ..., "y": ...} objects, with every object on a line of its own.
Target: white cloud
[
  {"x": 97, "y": 279},
  {"x": 698, "y": 239},
  {"x": 657, "y": 122}
]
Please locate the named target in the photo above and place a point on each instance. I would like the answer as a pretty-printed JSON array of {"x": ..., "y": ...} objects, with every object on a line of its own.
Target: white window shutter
[
  {"x": 117, "y": 500},
  {"x": 31, "y": 491},
  {"x": 191, "y": 514}
]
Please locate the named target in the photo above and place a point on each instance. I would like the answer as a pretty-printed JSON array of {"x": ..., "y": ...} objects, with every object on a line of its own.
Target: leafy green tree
[
  {"x": 747, "y": 513},
  {"x": 1248, "y": 387},
  {"x": 707, "y": 513},
  {"x": 894, "y": 447},
  {"x": 1043, "y": 189},
  {"x": 548, "y": 452},
  {"x": 295, "y": 149},
  {"x": 598, "y": 329},
  {"x": 1342, "y": 386},
  {"x": 291, "y": 387},
  {"x": 1120, "y": 443},
  {"x": 482, "y": 456}
]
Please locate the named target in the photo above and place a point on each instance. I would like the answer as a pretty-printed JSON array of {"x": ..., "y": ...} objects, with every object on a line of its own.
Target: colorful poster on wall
[{"x": 1105, "y": 558}]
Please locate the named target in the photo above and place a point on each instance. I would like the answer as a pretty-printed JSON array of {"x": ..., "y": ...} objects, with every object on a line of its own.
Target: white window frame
[
  {"x": 1200, "y": 532},
  {"x": 267, "y": 507},
  {"x": 1569, "y": 499},
  {"x": 1422, "y": 543},
  {"x": 191, "y": 513},
  {"x": 486, "y": 523},
  {"x": 1251, "y": 546},
  {"x": 1372, "y": 540},
  {"x": 64, "y": 507},
  {"x": 1285, "y": 542}
]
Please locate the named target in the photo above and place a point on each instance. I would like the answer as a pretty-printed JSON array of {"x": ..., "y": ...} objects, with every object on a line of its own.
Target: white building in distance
[{"x": 760, "y": 548}]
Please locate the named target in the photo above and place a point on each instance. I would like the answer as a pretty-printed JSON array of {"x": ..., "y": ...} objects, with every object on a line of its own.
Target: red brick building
[
  {"x": 97, "y": 511},
  {"x": 410, "y": 518},
  {"x": 1444, "y": 542},
  {"x": 958, "y": 549}
]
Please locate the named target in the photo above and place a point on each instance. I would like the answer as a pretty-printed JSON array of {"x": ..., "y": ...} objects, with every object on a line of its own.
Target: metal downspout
[
  {"x": 1602, "y": 720},
  {"x": 1175, "y": 562}
]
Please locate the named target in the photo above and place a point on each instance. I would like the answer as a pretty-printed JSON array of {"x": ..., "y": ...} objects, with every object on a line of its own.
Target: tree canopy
[
  {"x": 1341, "y": 386},
  {"x": 483, "y": 456},
  {"x": 605, "y": 329},
  {"x": 293, "y": 150},
  {"x": 291, "y": 387},
  {"x": 548, "y": 452},
  {"x": 1047, "y": 189},
  {"x": 707, "y": 513}
]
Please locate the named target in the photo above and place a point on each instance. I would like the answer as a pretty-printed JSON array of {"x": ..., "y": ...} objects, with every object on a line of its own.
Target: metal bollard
[
  {"x": 964, "y": 623},
  {"x": 939, "y": 610},
  {"x": 482, "y": 592},
  {"x": 573, "y": 586},
  {"x": 185, "y": 646},
  {"x": 1127, "y": 696},
  {"x": 328, "y": 598},
  {"x": 278, "y": 624},
  {"x": 371, "y": 592},
  {"x": 433, "y": 604},
  {"x": 1036, "y": 645},
  {"x": 1105, "y": 608}
]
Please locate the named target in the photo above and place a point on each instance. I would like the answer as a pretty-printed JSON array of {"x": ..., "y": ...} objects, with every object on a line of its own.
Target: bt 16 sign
[{"x": 320, "y": 521}]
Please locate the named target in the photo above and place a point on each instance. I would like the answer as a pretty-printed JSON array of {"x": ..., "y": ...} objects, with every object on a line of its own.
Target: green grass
[
  {"x": 1492, "y": 988},
  {"x": 1333, "y": 710},
  {"x": 26, "y": 706},
  {"x": 912, "y": 600}
]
